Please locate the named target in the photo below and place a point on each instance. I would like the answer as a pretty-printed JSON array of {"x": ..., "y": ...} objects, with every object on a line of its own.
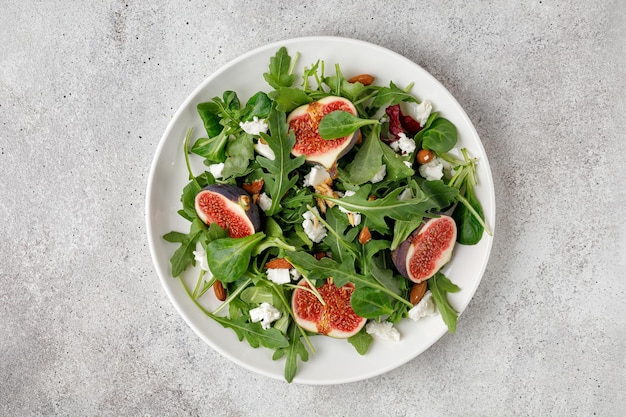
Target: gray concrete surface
[{"x": 86, "y": 91}]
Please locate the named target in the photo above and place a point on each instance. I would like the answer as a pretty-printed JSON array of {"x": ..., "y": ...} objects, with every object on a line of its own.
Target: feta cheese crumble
[
  {"x": 426, "y": 307},
  {"x": 380, "y": 175},
  {"x": 353, "y": 217},
  {"x": 433, "y": 170},
  {"x": 279, "y": 275},
  {"x": 312, "y": 227},
  {"x": 266, "y": 314},
  {"x": 255, "y": 126},
  {"x": 407, "y": 194},
  {"x": 384, "y": 330},
  {"x": 264, "y": 202},
  {"x": 294, "y": 274},
  {"x": 318, "y": 175},
  {"x": 216, "y": 169},
  {"x": 200, "y": 256},
  {"x": 423, "y": 112},
  {"x": 404, "y": 144},
  {"x": 264, "y": 149}
]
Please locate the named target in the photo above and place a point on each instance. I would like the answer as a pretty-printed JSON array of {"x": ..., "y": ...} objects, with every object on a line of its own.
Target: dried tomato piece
[
  {"x": 409, "y": 124},
  {"x": 395, "y": 126}
]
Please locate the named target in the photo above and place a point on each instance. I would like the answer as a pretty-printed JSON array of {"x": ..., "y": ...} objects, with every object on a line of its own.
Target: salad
[{"x": 327, "y": 206}]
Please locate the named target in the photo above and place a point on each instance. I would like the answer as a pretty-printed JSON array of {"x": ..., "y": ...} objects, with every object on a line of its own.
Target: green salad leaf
[{"x": 279, "y": 178}]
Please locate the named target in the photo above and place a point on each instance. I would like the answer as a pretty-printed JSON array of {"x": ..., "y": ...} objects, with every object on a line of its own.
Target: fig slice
[
  {"x": 304, "y": 121},
  {"x": 230, "y": 207},
  {"x": 335, "y": 319},
  {"x": 426, "y": 250}
]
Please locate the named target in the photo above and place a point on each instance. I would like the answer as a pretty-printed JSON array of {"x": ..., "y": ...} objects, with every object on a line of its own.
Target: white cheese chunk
[
  {"x": 318, "y": 175},
  {"x": 279, "y": 276},
  {"x": 383, "y": 330},
  {"x": 433, "y": 170},
  {"x": 426, "y": 307},
  {"x": 312, "y": 227},
  {"x": 255, "y": 126},
  {"x": 406, "y": 145},
  {"x": 354, "y": 217},
  {"x": 407, "y": 194},
  {"x": 200, "y": 257},
  {"x": 266, "y": 314},
  {"x": 216, "y": 169},
  {"x": 423, "y": 112},
  {"x": 264, "y": 202},
  {"x": 264, "y": 149},
  {"x": 295, "y": 275}
]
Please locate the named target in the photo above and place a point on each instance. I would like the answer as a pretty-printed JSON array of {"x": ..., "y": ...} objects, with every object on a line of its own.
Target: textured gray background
[{"x": 86, "y": 91}]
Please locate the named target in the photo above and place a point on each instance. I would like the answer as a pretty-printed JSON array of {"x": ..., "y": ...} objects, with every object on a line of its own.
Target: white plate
[{"x": 335, "y": 361}]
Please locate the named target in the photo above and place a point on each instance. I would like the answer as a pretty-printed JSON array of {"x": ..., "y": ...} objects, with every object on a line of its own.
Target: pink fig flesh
[
  {"x": 428, "y": 248},
  {"x": 304, "y": 123},
  {"x": 230, "y": 207},
  {"x": 335, "y": 319}
]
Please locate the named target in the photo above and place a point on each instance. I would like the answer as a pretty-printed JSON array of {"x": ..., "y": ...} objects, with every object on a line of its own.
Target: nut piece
[
  {"x": 278, "y": 263},
  {"x": 365, "y": 235},
  {"x": 219, "y": 290},
  {"x": 417, "y": 292},
  {"x": 255, "y": 187},
  {"x": 364, "y": 79},
  {"x": 424, "y": 156}
]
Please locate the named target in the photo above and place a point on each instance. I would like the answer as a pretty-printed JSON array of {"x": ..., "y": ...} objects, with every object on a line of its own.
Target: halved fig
[
  {"x": 230, "y": 207},
  {"x": 335, "y": 319},
  {"x": 304, "y": 122},
  {"x": 428, "y": 248}
]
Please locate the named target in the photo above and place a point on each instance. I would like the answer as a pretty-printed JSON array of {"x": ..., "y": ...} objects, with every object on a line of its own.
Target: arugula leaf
[
  {"x": 391, "y": 96},
  {"x": 287, "y": 98},
  {"x": 396, "y": 168},
  {"x": 368, "y": 159},
  {"x": 389, "y": 206},
  {"x": 340, "y": 243},
  {"x": 254, "y": 334},
  {"x": 296, "y": 348},
  {"x": 440, "y": 286},
  {"x": 361, "y": 341},
  {"x": 281, "y": 141},
  {"x": 279, "y": 75},
  {"x": 440, "y": 137},
  {"x": 229, "y": 257},
  {"x": 342, "y": 273},
  {"x": 384, "y": 276},
  {"x": 257, "y": 294},
  {"x": 183, "y": 256},
  {"x": 370, "y": 303},
  {"x": 340, "y": 123}
]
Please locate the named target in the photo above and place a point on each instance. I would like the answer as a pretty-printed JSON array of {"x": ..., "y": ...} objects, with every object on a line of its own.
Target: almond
[
  {"x": 254, "y": 188},
  {"x": 278, "y": 263},
  {"x": 365, "y": 235},
  {"x": 219, "y": 290},
  {"x": 417, "y": 292},
  {"x": 364, "y": 79}
]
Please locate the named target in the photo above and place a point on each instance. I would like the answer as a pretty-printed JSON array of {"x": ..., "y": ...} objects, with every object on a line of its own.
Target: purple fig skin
[
  {"x": 400, "y": 255},
  {"x": 238, "y": 196}
]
